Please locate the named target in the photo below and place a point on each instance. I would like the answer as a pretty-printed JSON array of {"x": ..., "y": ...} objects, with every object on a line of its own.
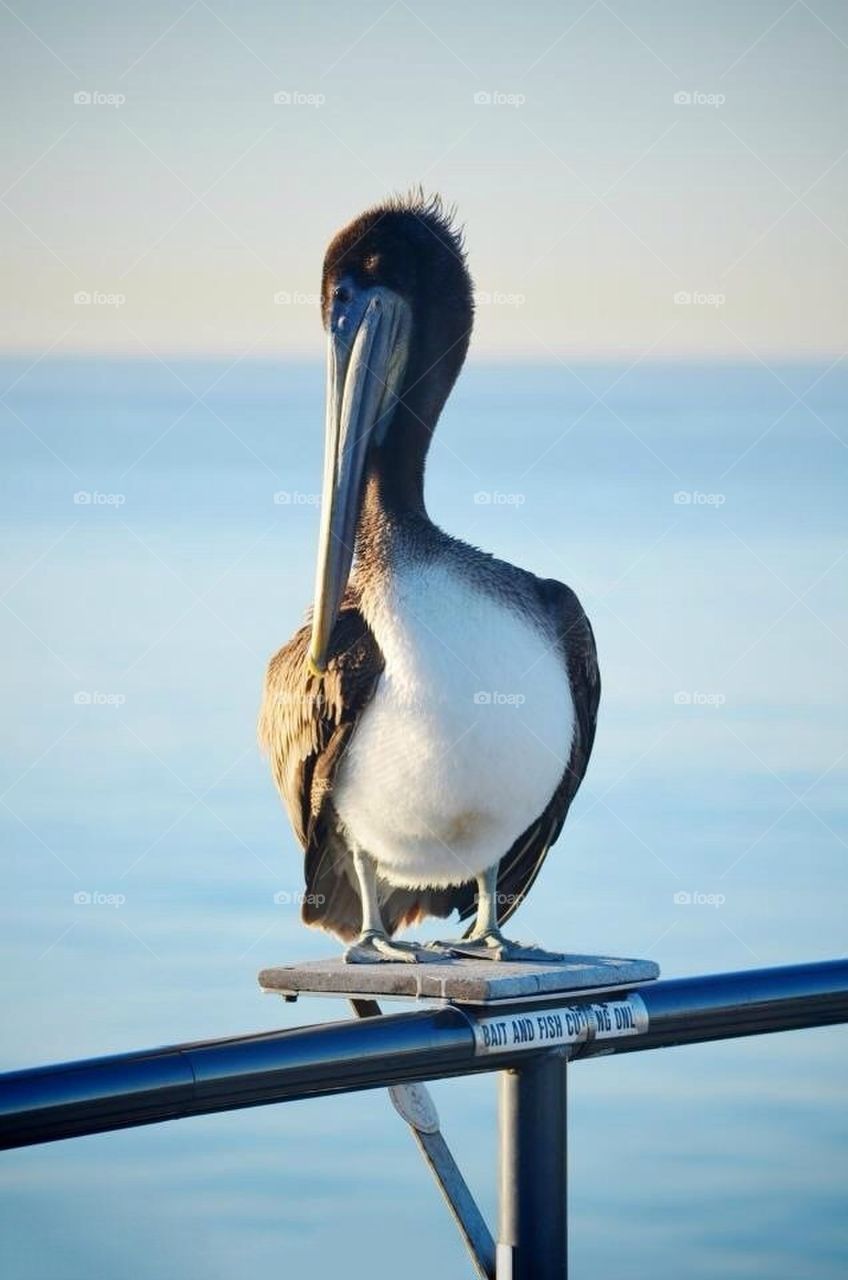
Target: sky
[{"x": 652, "y": 180}]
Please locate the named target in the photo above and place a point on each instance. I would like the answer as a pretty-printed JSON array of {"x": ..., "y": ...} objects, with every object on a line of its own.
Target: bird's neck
[
  {"x": 393, "y": 519},
  {"x": 393, "y": 523}
]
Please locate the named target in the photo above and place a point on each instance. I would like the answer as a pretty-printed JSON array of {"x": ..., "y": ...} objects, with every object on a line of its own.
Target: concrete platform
[{"x": 459, "y": 981}]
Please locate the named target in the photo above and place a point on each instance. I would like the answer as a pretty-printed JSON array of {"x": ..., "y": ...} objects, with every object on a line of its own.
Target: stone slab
[{"x": 457, "y": 981}]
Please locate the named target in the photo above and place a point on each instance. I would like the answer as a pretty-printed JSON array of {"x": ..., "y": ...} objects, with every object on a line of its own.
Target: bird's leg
[
  {"x": 485, "y": 941},
  {"x": 374, "y": 946}
]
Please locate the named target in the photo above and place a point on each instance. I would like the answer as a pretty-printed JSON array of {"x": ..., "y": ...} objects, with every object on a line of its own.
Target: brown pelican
[{"x": 430, "y": 725}]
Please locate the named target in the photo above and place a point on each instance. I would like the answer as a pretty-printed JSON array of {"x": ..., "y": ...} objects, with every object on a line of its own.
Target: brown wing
[
  {"x": 305, "y": 724},
  {"x": 519, "y": 868}
]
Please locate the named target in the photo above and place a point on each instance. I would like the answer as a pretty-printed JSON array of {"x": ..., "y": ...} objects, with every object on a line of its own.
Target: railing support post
[{"x": 532, "y": 1239}]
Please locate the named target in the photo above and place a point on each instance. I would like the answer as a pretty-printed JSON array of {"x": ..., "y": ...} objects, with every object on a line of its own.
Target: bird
[{"x": 431, "y": 722}]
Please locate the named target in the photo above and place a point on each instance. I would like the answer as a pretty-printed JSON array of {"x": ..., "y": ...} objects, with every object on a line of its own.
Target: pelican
[{"x": 429, "y": 726}]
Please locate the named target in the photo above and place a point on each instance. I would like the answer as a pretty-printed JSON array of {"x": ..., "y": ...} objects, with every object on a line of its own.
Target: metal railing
[{"x": 529, "y": 1044}]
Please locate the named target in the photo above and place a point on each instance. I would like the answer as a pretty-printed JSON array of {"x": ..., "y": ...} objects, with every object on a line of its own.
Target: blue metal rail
[
  {"x": 528, "y": 1044},
  {"x": 42, "y": 1104}
]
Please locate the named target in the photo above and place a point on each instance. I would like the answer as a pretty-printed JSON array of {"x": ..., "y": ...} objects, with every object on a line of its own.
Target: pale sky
[{"x": 184, "y": 199}]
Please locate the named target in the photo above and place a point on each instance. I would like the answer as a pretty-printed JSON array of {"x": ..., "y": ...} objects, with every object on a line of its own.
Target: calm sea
[{"x": 159, "y": 531}]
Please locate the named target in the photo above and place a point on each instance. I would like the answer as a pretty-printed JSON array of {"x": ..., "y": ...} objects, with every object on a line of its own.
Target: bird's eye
[{"x": 341, "y": 293}]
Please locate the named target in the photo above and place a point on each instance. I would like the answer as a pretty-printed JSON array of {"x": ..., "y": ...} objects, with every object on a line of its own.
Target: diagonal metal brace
[{"x": 415, "y": 1105}]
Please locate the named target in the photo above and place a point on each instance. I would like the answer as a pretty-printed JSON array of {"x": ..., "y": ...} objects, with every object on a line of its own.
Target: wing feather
[{"x": 305, "y": 724}]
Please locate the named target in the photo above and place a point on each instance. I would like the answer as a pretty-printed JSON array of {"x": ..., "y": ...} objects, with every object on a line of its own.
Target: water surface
[{"x": 159, "y": 529}]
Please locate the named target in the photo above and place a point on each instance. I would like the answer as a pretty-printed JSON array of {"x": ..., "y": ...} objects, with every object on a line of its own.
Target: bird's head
[
  {"x": 404, "y": 261},
  {"x": 396, "y": 302}
]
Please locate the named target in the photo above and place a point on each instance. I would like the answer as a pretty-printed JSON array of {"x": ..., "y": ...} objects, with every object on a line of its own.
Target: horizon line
[{"x": 516, "y": 359}]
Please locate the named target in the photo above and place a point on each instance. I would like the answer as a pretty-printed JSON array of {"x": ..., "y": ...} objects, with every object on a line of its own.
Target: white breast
[{"x": 466, "y": 737}]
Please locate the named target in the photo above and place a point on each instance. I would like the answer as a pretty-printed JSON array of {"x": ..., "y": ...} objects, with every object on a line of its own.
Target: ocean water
[{"x": 159, "y": 531}]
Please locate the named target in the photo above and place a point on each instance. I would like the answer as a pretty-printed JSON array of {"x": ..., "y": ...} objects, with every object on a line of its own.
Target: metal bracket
[{"x": 415, "y": 1106}]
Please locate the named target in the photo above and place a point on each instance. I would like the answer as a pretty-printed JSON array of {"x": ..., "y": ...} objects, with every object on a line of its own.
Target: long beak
[{"x": 364, "y": 371}]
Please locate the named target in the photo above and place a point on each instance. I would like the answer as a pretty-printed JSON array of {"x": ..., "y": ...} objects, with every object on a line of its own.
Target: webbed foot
[
  {"x": 374, "y": 947},
  {"x": 492, "y": 945}
]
